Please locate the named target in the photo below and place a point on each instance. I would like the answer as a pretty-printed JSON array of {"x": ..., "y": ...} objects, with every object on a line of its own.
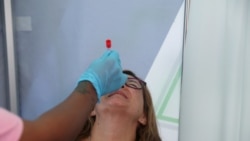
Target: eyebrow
[
  {"x": 134, "y": 78},
  {"x": 130, "y": 76}
]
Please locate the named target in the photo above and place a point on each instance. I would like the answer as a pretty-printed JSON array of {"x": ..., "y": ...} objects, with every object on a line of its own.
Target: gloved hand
[{"x": 105, "y": 73}]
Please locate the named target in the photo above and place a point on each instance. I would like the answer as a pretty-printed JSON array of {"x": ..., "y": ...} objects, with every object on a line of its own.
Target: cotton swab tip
[{"x": 108, "y": 43}]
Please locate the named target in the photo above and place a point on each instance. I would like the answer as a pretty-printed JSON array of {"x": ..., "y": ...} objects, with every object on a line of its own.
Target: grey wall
[{"x": 67, "y": 35}]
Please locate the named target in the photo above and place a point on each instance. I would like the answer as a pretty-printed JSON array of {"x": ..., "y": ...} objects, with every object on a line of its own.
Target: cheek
[{"x": 138, "y": 102}]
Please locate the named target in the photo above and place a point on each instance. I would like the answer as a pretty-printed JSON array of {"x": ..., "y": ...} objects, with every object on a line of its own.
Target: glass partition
[
  {"x": 3, "y": 72},
  {"x": 56, "y": 40}
]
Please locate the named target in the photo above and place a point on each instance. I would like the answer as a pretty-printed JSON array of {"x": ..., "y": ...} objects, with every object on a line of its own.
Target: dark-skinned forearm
[{"x": 66, "y": 120}]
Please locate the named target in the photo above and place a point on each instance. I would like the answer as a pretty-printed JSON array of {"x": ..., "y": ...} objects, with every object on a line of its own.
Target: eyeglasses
[{"x": 135, "y": 83}]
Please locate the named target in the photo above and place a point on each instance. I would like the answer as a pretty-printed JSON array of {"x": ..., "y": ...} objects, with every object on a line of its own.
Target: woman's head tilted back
[{"x": 147, "y": 126}]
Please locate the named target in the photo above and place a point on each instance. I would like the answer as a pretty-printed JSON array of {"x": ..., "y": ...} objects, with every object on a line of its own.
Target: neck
[{"x": 113, "y": 128}]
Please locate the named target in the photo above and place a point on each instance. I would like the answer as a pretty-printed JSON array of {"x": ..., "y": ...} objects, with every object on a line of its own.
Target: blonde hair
[{"x": 147, "y": 132}]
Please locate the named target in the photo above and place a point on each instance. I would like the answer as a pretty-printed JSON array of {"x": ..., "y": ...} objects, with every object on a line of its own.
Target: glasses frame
[{"x": 142, "y": 83}]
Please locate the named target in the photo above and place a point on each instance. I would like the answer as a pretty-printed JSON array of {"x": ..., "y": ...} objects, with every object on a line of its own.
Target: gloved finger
[
  {"x": 115, "y": 55},
  {"x": 124, "y": 79},
  {"x": 106, "y": 54}
]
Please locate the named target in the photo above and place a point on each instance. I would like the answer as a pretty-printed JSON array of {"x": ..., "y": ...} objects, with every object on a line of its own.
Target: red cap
[{"x": 108, "y": 43}]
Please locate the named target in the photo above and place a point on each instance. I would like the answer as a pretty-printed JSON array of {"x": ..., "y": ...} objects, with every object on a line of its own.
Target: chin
[{"x": 117, "y": 103}]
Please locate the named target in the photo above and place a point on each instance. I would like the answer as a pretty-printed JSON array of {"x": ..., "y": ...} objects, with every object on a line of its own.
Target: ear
[
  {"x": 142, "y": 120},
  {"x": 93, "y": 113}
]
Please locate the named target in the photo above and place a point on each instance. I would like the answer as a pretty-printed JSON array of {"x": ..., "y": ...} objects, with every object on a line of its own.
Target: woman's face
[{"x": 127, "y": 101}]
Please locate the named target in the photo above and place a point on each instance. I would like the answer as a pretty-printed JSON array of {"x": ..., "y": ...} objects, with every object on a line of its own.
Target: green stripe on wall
[{"x": 165, "y": 102}]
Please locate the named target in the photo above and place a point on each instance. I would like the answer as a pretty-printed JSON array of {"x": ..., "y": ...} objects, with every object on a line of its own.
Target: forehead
[{"x": 130, "y": 76}]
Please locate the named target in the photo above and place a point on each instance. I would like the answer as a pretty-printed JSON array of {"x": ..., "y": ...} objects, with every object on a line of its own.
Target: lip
[{"x": 120, "y": 93}]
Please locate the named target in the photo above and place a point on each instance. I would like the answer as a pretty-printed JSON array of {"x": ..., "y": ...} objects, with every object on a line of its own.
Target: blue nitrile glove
[{"x": 105, "y": 73}]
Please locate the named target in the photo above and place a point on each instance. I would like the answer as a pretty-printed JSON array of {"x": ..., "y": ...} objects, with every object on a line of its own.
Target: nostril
[{"x": 122, "y": 86}]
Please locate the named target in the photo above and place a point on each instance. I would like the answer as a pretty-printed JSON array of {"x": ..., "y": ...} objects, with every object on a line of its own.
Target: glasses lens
[{"x": 133, "y": 83}]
